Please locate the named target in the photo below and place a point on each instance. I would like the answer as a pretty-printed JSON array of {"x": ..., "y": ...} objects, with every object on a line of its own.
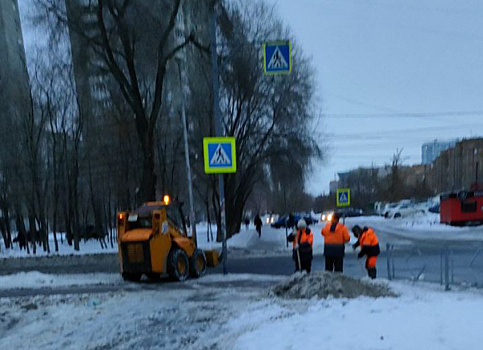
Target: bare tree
[
  {"x": 134, "y": 43},
  {"x": 395, "y": 186},
  {"x": 270, "y": 117}
]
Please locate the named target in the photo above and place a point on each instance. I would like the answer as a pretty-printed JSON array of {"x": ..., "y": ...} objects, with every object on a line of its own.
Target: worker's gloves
[
  {"x": 360, "y": 255},
  {"x": 354, "y": 246}
]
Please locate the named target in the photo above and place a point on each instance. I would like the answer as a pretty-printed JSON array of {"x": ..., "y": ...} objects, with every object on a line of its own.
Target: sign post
[
  {"x": 220, "y": 158},
  {"x": 343, "y": 199},
  {"x": 219, "y": 132}
]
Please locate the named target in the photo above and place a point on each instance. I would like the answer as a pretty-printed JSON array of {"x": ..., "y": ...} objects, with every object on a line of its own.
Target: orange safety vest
[
  {"x": 368, "y": 238},
  {"x": 304, "y": 237},
  {"x": 369, "y": 247},
  {"x": 335, "y": 235},
  {"x": 339, "y": 236}
]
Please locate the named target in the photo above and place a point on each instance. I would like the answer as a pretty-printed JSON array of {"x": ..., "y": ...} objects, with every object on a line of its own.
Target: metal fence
[{"x": 447, "y": 264}]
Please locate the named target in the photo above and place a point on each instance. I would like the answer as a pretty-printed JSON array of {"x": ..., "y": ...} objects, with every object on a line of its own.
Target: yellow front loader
[{"x": 153, "y": 241}]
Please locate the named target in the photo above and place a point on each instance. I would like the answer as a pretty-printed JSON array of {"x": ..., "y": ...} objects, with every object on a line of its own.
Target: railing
[{"x": 449, "y": 264}]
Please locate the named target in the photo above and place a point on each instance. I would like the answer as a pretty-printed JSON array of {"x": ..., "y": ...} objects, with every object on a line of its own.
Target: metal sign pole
[
  {"x": 183, "y": 84},
  {"x": 219, "y": 132}
]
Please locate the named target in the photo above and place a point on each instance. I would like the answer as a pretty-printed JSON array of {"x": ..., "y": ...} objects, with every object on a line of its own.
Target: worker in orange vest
[
  {"x": 367, "y": 240},
  {"x": 335, "y": 236},
  {"x": 302, "y": 242}
]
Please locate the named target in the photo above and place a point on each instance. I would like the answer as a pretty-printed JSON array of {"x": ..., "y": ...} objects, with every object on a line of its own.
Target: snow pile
[
  {"x": 86, "y": 247},
  {"x": 325, "y": 284},
  {"x": 35, "y": 279}
]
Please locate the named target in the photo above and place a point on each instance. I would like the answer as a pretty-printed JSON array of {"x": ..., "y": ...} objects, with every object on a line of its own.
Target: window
[
  {"x": 175, "y": 215},
  {"x": 468, "y": 207},
  {"x": 134, "y": 221}
]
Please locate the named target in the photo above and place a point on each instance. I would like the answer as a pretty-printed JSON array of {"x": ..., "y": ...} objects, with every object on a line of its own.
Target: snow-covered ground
[
  {"x": 422, "y": 226},
  {"x": 87, "y": 247},
  {"x": 418, "y": 227},
  {"x": 238, "y": 312},
  {"x": 212, "y": 313},
  {"x": 36, "y": 279}
]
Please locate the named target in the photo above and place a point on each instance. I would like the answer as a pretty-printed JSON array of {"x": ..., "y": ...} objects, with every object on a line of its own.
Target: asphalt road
[{"x": 412, "y": 259}]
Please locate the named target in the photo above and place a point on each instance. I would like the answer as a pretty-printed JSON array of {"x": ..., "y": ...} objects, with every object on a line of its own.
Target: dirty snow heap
[{"x": 325, "y": 284}]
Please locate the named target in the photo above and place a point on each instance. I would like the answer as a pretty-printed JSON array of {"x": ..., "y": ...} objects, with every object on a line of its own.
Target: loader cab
[
  {"x": 134, "y": 221},
  {"x": 143, "y": 216},
  {"x": 175, "y": 215}
]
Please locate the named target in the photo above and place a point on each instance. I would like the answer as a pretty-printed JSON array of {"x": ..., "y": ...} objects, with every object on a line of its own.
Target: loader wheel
[
  {"x": 198, "y": 264},
  {"x": 178, "y": 265},
  {"x": 131, "y": 277}
]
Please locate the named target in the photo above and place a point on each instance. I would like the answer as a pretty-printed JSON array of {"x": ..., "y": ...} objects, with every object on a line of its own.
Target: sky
[{"x": 390, "y": 75}]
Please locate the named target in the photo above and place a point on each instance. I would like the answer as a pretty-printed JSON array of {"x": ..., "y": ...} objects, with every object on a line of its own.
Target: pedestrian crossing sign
[
  {"x": 219, "y": 154},
  {"x": 343, "y": 197},
  {"x": 277, "y": 57}
]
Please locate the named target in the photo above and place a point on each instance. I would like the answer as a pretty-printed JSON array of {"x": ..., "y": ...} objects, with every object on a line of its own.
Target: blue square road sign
[
  {"x": 219, "y": 155},
  {"x": 277, "y": 57},
  {"x": 343, "y": 197}
]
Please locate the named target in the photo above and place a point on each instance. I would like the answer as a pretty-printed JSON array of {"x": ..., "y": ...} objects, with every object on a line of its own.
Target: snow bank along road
[{"x": 230, "y": 312}]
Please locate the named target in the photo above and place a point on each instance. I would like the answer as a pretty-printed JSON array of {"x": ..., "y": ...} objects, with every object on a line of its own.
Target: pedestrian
[
  {"x": 302, "y": 241},
  {"x": 290, "y": 223},
  {"x": 367, "y": 240},
  {"x": 247, "y": 222},
  {"x": 258, "y": 224},
  {"x": 335, "y": 236}
]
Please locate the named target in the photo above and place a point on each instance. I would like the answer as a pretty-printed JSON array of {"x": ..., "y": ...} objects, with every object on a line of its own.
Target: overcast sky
[{"x": 391, "y": 74}]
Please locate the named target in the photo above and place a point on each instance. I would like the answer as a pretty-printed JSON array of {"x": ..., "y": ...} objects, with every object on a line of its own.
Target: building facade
[
  {"x": 431, "y": 150},
  {"x": 459, "y": 167},
  {"x": 15, "y": 100},
  {"x": 104, "y": 107},
  {"x": 94, "y": 82}
]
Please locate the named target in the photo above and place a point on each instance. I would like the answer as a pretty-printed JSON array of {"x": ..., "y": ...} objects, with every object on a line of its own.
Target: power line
[
  {"x": 402, "y": 115},
  {"x": 390, "y": 133}
]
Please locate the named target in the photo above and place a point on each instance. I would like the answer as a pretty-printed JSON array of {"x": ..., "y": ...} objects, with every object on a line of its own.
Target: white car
[
  {"x": 388, "y": 208},
  {"x": 403, "y": 210}
]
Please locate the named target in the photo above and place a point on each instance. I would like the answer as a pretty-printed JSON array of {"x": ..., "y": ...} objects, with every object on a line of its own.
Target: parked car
[
  {"x": 309, "y": 219},
  {"x": 403, "y": 210},
  {"x": 388, "y": 208},
  {"x": 434, "y": 209},
  {"x": 283, "y": 220},
  {"x": 350, "y": 212}
]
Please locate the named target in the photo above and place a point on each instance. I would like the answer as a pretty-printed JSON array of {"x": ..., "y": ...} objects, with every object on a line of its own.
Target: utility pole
[
  {"x": 183, "y": 84},
  {"x": 218, "y": 128}
]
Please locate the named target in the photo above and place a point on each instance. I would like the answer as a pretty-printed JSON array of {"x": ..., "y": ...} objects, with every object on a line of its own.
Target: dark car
[
  {"x": 434, "y": 209},
  {"x": 309, "y": 219},
  {"x": 284, "y": 221},
  {"x": 350, "y": 212}
]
